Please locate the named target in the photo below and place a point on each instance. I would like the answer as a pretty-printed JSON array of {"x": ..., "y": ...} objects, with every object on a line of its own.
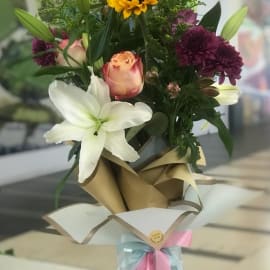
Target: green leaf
[
  {"x": 157, "y": 125},
  {"x": 233, "y": 24},
  {"x": 100, "y": 40},
  {"x": 223, "y": 131},
  {"x": 211, "y": 19},
  {"x": 84, "y": 6},
  {"x": 132, "y": 132},
  {"x": 55, "y": 70},
  {"x": 36, "y": 27}
]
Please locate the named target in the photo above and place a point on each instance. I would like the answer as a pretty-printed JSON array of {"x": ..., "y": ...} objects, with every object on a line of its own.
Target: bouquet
[{"x": 132, "y": 77}]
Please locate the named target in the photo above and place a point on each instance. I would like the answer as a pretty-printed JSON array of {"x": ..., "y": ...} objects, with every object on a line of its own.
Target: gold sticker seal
[{"x": 156, "y": 236}]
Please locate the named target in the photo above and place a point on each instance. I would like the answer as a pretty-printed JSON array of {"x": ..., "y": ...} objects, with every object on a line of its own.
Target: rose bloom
[
  {"x": 75, "y": 50},
  {"x": 124, "y": 75}
]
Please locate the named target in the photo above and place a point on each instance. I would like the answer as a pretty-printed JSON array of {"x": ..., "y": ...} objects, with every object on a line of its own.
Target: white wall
[{"x": 26, "y": 165}]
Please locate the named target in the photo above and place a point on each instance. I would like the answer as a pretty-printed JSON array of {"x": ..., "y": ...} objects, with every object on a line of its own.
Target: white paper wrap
[{"x": 92, "y": 224}]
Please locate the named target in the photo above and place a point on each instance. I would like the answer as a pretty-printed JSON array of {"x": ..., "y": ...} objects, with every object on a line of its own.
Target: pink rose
[
  {"x": 124, "y": 75},
  {"x": 75, "y": 50}
]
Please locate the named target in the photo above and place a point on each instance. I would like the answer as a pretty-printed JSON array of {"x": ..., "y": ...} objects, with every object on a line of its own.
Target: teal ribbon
[{"x": 131, "y": 250}]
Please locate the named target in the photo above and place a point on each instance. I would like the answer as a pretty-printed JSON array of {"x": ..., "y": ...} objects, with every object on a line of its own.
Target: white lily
[
  {"x": 92, "y": 118},
  {"x": 228, "y": 94}
]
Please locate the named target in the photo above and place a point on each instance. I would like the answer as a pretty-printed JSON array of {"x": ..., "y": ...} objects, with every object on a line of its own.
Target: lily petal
[
  {"x": 122, "y": 115},
  {"x": 100, "y": 89},
  {"x": 75, "y": 105},
  {"x": 228, "y": 94},
  {"x": 91, "y": 149},
  {"x": 116, "y": 143},
  {"x": 64, "y": 132}
]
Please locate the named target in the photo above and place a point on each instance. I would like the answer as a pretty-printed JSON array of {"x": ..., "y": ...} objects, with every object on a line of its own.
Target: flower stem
[
  {"x": 70, "y": 57},
  {"x": 145, "y": 33},
  {"x": 171, "y": 128}
]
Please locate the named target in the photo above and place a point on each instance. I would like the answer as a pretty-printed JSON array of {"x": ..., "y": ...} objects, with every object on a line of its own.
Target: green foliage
[
  {"x": 157, "y": 125},
  {"x": 63, "y": 14},
  {"x": 101, "y": 38},
  {"x": 83, "y": 5},
  {"x": 211, "y": 19},
  {"x": 214, "y": 118}
]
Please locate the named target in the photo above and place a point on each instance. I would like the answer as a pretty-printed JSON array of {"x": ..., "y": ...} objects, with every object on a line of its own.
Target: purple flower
[
  {"x": 227, "y": 63},
  {"x": 44, "y": 58},
  {"x": 196, "y": 46},
  {"x": 209, "y": 55},
  {"x": 187, "y": 16},
  {"x": 184, "y": 16}
]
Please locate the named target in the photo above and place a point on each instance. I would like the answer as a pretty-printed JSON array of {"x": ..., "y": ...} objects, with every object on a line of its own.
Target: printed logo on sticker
[{"x": 156, "y": 236}]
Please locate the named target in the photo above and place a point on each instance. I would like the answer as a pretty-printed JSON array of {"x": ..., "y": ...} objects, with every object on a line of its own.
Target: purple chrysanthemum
[
  {"x": 41, "y": 47},
  {"x": 210, "y": 55},
  {"x": 227, "y": 63},
  {"x": 196, "y": 46}
]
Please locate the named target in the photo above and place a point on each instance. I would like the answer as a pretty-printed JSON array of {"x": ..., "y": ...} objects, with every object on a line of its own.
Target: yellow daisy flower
[{"x": 131, "y": 6}]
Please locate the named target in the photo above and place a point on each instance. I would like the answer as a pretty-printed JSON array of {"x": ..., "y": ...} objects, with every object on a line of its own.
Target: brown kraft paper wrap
[{"x": 119, "y": 188}]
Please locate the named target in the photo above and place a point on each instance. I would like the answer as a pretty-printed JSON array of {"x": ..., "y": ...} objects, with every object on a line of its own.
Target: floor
[{"x": 240, "y": 240}]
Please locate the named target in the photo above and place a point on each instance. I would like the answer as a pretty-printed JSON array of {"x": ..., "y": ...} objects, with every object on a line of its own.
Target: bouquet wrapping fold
[{"x": 156, "y": 184}]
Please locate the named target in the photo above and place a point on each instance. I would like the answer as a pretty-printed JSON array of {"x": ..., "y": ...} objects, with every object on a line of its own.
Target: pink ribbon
[{"x": 157, "y": 259}]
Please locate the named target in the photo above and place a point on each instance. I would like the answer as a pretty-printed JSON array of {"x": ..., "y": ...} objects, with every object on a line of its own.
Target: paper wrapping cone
[
  {"x": 138, "y": 193},
  {"x": 102, "y": 186},
  {"x": 119, "y": 188}
]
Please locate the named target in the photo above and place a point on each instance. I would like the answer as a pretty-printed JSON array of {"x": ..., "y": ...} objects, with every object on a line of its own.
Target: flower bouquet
[{"x": 132, "y": 77}]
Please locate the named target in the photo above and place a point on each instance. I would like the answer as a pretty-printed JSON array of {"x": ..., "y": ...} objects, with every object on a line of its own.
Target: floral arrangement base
[{"x": 149, "y": 237}]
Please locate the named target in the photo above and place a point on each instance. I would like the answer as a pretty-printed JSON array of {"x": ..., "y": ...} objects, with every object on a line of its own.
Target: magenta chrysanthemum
[
  {"x": 227, "y": 63},
  {"x": 210, "y": 55},
  {"x": 45, "y": 57},
  {"x": 196, "y": 46}
]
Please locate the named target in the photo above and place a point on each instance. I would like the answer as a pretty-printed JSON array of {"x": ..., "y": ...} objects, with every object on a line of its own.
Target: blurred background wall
[
  {"x": 254, "y": 46},
  {"x": 25, "y": 111}
]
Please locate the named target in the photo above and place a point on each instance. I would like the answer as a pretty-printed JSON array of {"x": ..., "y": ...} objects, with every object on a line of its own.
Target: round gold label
[{"x": 156, "y": 236}]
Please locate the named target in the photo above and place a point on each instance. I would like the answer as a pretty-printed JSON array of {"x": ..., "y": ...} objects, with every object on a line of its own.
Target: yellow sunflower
[{"x": 131, "y": 6}]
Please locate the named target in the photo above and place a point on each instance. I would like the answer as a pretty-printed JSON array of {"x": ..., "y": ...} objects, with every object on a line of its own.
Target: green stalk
[
  {"x": 171, "y": 128},
  {"x": 145, "y": 33},
  {"x": 70, "y": 57},
  {"x": 62, "y": 182}
]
